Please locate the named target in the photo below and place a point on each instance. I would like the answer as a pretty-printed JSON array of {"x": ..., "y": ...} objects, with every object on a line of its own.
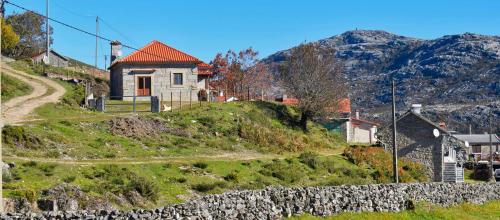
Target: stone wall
[{"x": 278, "y": 202}]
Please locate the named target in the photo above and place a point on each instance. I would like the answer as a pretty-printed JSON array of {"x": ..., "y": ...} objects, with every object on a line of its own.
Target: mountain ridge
[{"x": 453, "y": 69}]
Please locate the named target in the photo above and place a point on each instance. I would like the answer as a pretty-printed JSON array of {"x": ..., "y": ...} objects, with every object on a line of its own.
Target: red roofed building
[{"x": 155, "y": 70}]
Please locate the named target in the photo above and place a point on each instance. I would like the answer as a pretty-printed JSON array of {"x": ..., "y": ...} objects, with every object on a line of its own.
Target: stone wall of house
[
  {"x": 162, "y": 79},
  {"x": 277, "y": 202},
  {"x": 415, "y": 141}
]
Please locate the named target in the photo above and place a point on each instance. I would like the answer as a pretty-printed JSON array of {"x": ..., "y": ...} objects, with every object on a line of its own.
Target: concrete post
[
  {"x": 101, "y": 104},
  {"x": 155, "y": 104}
]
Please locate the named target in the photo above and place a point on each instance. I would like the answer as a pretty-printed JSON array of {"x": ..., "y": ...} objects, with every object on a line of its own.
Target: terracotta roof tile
[
  {"x": 204, "y": 69},
  {"x": 156, "y": 52}
]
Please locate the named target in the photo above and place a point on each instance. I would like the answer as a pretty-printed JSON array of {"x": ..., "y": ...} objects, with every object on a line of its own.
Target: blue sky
[{"x": 203, "y": 28}]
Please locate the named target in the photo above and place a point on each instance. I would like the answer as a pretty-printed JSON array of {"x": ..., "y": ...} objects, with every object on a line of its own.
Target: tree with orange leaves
[{"x": 240, "y": 74}]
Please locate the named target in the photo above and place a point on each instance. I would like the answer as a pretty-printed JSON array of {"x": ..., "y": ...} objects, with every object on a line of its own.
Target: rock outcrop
[{"x": 454, "y": 69}]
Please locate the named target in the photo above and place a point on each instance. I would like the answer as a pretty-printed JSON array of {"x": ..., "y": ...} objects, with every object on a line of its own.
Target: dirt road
[{"x": 16, "y": 110}]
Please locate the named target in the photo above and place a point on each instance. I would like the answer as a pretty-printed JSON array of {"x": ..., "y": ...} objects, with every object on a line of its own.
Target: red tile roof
[
  {"x": 157, "y": 52},
  {"x": 205, "y": 69}
]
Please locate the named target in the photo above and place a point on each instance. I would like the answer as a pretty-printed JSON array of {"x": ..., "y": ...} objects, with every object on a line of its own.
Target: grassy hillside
[
  {"x": 180, "y": 180},
  {"x": 490, "y": 210},
  {"x": 213, "y": 129},
  {"x": 12, "y": 87}
]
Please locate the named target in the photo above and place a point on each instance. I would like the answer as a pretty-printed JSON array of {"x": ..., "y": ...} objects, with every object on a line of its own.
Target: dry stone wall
[{"x": 278, "y": 202}]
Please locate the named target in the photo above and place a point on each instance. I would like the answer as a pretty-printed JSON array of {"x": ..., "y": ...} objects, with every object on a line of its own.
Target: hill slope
[{"x": 454, "y": 69}]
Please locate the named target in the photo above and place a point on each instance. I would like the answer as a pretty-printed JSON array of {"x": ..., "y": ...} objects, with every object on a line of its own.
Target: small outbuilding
[{"x": 55, "y": 59}]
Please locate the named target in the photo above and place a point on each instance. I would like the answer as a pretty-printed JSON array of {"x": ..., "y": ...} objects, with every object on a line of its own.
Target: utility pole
[
  {"x": 96, "y": 38},
  {"x": 492, "y": 177},
  {"x": 2, "y": 10},
  {"x": 105, "y": 61},
  {"x": 47, "y": 30},
  {"x": 394, "y": 145}
]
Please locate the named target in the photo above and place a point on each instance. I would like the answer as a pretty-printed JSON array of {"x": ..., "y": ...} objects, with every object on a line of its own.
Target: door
[{"x": 144, "y": 86}]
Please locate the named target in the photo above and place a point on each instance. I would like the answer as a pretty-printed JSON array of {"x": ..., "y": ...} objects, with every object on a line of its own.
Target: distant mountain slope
[{"x": 454, "y": 69}]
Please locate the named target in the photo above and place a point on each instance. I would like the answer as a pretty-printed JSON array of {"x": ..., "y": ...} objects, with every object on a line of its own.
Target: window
[
  {"x": 476, "y": 148},
  {"x": 177, "y": 78}
]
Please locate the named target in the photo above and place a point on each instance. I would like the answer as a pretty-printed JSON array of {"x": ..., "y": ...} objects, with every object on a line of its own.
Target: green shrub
[
  {"x": 30, "y": 164},
  {"x": 201, "y": 165},
  {"x": 20, "y": 137},
  {"x": 310, "y": 159},
  {"x": 234, "y": 176},
  {"x": 145, "y": 187},
  {"x": 30, "y": 194},
  {"x": 69, "y": 179},
  {"x": 205, "y": 187},
  {"x": 287, "y": 172},
  {"x": 181, "y": 180}
]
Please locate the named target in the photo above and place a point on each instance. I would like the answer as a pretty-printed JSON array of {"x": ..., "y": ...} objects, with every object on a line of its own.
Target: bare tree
[{"x": 316, "y": 81}]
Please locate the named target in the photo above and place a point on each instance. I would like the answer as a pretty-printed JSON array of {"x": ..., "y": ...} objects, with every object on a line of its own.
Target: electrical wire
[
  {"x": 81, "y": 30},
  {"x": 118, "y": 32}
]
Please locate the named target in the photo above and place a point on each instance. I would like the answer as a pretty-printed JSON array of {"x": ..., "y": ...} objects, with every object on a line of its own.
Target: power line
[
  {"x": 81, "y": 30},
  {"x": 71, "y": 11},
  {"x": 115, "y": 30}
]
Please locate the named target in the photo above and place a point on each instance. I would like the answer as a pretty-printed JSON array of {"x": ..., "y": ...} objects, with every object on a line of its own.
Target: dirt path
[
  {"x": 135, "y": 161},
  {"x": 17, "y": 109}
]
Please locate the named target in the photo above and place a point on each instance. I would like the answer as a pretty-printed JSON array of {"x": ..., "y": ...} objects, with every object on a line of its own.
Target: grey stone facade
[
  {"x": 55, "y": 59},
  {"x": 124, "y": 77},
  {"x": 277, "y": 202},
  {"x": 416, "y": 141}
]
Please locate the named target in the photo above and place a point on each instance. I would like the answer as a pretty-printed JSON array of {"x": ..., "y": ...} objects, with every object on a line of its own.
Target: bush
[
  {"x": 30, "y": 194},
  {"x": 287, "y": 172},
  {"x": 310, "y": 159},
  {"x": 205, "y": 187},
  {"x": 30, "y": 164},
  {"x": 18, "y": 136},
  {"x": 146, "y": 188},
  {"x": 381, "y": 161},
  {"x": 69, "y": 179},
  {"x": 234, "y": 176},
  {"x": 201, "y": 165},
  {"x": 181, "y": 180}
]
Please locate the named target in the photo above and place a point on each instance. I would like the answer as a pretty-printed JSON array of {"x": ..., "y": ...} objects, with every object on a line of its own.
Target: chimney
[
  {"x": 357, "y": 114},
  {"x": 416, "y": 108},
  {"x": 442, "y": 125},
  {"x": 116, "y": 50}
]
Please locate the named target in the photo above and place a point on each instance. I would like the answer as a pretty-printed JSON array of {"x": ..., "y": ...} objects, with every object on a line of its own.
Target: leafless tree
[{"x": 316, "y": 81}]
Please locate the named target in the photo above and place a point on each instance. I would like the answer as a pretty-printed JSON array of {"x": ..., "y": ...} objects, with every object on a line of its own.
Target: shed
[{"x": 55, "y": 59}]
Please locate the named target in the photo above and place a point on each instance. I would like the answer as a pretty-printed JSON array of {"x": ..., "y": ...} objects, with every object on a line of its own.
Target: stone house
[
  {"x": 55, "y": 59},
  {"x": 479, "y": 144},
  {"x": 157, "y": 70},
  {"x": 420, "y": 140}
]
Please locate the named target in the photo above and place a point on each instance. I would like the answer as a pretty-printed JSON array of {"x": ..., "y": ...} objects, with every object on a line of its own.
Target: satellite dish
[
  {"x": 45, "y": 59},
  {"x": 435, "y": 132},
  {"x": 466, "y": 143}
]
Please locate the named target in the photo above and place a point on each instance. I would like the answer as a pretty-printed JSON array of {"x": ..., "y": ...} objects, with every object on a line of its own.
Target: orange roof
[
  {"x": 157, "y": 52},
  {"x": 345, "y": 105},
  {"x": 204, "y": 69}
]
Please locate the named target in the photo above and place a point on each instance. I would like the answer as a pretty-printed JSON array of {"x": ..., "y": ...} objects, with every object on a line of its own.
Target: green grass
[
  {"x": 12, "y": 87},
  {"x": 490, "y": 210},
  {"x": 181, "y": 180},
  {"x": 218, "y": 128}
]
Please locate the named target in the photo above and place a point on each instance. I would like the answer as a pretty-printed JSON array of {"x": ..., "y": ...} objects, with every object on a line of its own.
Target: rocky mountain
[{"x": 454, "y": 70}]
